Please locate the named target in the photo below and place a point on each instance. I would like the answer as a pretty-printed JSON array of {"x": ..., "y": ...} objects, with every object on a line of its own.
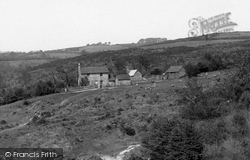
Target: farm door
[{"x": 101, "y": 83}]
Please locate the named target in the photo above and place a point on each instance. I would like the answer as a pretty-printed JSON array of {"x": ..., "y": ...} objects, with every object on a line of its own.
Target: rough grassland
[{"x": 92, "y": 122}]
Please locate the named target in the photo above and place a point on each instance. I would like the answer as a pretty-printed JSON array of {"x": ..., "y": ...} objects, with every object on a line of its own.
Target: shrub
[
  {"x": 128, "y": 96},
  {"x": 2, "y": 122},
  {"x": 172, "y": 139},
  {"x": 156, "y": 71},
  {"x": 38, "y": 121},
  {"x": 202, "y": 67},
  {"x": 126, "y": 129},
  {"x": 244, "y": 101},
  {"x": 19, "y": 93},
  {"x": 191, "y": 70},
  {"x": 94, "y": 157},
  {"x": 44, "y": 88},
  {"x": 199, "y": 105},
  {"x": 200, "y": 112},
  {"x": 153, "y": 98},
  {"x": 84, "y": 81},
  {"x": 241, "y": 125},
  {"x": 213, "y": 132},
  {"x": 26, "y": 102},
  {"x": 97, "y": 100}
]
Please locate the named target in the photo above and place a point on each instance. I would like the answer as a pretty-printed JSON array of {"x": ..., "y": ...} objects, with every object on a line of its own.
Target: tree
[
  {"x": 191, "y": 70},
  {"x": 66, "y": 74},
  {"x": 25, "y": 77},
  {"x": 19, "y": 93},
  {"x": 1, "y": 81},
  {"x": 202, "y": 67},
  {"x": 156, "y": 71},
  {"x": 84, "y": 81},
  {"x": 43, "y": 88},
  {"x": 120, "y": 66},
  {"x": 144, "y": 63}
]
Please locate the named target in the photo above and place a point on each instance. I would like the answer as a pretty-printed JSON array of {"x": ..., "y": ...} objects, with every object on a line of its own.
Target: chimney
[{"x": 79, "y": 74}]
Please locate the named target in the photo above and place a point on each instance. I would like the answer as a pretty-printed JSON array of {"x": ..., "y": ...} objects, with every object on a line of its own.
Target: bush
[
  {"x": 191, "y": 70},
  {"x": 19, "y": 93},
  {"x": 199, "y": 105},
  {"x": 172, "y": 139},
  {"x": 240, "y": 125},
  {"x": 244, "y": 101},
  {"x": 2, "y": 122},
  {"x": 126, "y": 128},
  {"x": 26, "y": 102},
  {"x": 94, "y": 157},
  {"x": 153, "y": 98},
  {"x": 200, "y": 112},
  {"x": 44, "y": 88},
  {"x": 202, "y": 67},
  {"x": 38, "y": 121},
  {"x": 128, "y": 95},
  {"x": 84, "y": 81},
  {"x": 214, "y": 131},
  {"x": 156, "y": 71}
]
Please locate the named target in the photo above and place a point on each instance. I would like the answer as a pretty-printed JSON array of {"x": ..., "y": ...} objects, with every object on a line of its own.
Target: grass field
[
  {"x": 190, "y": 43},
  {"x": 100, "y": 48}
]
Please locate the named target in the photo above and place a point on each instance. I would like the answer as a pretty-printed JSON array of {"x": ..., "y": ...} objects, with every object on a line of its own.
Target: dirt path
[
  {"x": 17, "y": 127},
  {"x": 121, "y": 155}
]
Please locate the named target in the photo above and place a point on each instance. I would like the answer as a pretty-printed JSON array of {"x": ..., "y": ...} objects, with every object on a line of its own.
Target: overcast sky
[{"x": 27, "y": 25}]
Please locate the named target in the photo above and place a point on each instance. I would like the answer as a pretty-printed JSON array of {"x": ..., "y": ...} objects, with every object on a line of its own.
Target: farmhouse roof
[
  {"x": 123, "y": 77},
  {"x": 132, "y": 72},
  {"x": 86, "y": 70},
  {"x": 173, "y": 69}
]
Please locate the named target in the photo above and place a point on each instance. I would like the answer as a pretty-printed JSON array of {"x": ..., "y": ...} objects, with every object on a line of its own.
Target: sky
[{"x": 30, "y": 25}]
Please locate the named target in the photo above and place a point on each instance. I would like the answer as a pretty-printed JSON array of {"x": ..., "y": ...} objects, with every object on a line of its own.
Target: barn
[
  {"x": 175, "y": 72},
  {"x": 135, "y": 76},
  {"x": 97, "y": 76},
  {"x": 122, "y": 80}
]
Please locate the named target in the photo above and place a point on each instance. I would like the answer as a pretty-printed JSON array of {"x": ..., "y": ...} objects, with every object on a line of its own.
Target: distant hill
[
  {"x": 163, "y": 42},
  {"x": 171, "y": 52},
  {"x": 44, "y": 57}
]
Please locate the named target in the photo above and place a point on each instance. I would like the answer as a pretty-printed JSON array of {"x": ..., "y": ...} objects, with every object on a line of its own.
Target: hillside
[
  {"x": 205, "y": 116},
  {"x": 146, "y": 58},
  {"x": 105, "y": 122},
  {"x": 101, "y": 122},
  {"x": 160, "y": 55}
]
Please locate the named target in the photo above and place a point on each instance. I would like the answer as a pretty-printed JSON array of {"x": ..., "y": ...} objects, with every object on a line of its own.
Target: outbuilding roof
[
  {"x": 132, "y": 72},
  {"x": 173, "y": 69},
  {"x": 123, "y": 77},
  {"x": 86, "y": 70}
]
